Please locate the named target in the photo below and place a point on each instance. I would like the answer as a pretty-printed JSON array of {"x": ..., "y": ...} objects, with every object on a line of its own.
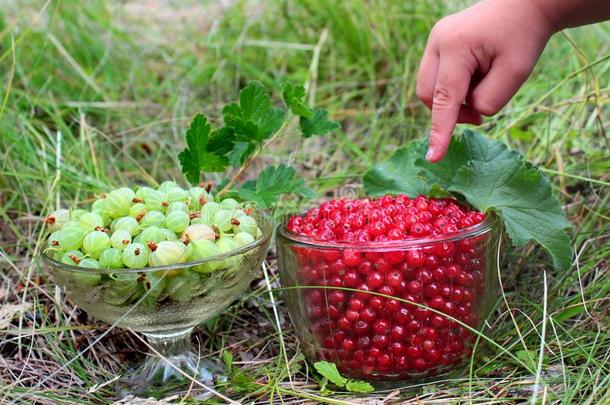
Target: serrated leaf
[
  {"x": 523, "y": 198},
  {"x": 293, "y": 98},
  {"x": 197, "y": 156},
  {"x": 398, "y": 174},
  {"x": 329, "y": 370},
  {"x": 221, "y": 141},
  {"x": 469, "y": 145},
  {"x": 240, "y": 153},
  {"x": 254, "y": 118},
  {"x": 361, "y": 387},
  {"x": 271, "y": 184},
  {"x": 318, "y": 124},
  {"x": 492, "y": 179}
]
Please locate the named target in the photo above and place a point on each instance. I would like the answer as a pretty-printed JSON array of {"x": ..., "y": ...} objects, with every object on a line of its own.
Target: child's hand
[{"x": 475, "y": 61}]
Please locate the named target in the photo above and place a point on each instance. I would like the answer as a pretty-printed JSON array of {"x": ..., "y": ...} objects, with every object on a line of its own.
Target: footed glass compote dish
[{"x": 165, "y": 304}]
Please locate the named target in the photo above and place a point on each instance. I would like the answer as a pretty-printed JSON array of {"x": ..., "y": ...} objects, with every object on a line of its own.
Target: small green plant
[
  {"x": 249, "y": 125},
  {"x": 330, "y": 373}
]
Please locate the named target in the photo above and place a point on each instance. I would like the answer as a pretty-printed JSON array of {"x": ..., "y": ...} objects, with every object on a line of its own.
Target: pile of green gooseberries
[{"x": 150, "y": 227}]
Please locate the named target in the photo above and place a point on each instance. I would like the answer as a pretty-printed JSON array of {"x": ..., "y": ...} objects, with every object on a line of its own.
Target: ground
[{"x": 97, "y": 94}]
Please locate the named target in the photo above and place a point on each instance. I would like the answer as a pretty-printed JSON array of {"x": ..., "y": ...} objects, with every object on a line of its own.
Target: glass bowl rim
[
  {"x": 266, "y": 228},
  {"x": 481, "y": 228}
]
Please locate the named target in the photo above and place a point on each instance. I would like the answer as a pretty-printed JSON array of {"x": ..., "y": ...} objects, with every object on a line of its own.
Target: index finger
[{"x": 452, "y": 83}]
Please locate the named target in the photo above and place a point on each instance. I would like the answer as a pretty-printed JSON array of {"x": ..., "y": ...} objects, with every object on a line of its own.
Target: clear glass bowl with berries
[
  {"x": 159, "y": 262},
  {"x": 389, "y": 289}
]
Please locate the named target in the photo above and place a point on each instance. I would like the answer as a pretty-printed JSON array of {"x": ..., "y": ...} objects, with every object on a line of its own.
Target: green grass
[{"x": 96, "y": 94}]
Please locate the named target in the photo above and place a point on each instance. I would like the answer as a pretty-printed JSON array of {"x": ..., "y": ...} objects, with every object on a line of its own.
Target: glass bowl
[
  {"x": 165, "y": 304},
  {"x": 390, "y": 311}
]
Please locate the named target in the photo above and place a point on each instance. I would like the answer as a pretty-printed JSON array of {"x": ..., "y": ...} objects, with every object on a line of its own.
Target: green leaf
[
  {"x": 293, "y": 98},
  {"x": 523, "y": 198},
  {"x": 221, "y": 141},
  {"x": 254, "y": 118},
  {"x": 470, "y": 146},
  {"x": 329, "y": 370},
  {"x": 271, "y": 184},
  {"x": 359, "y": 386},
  {"x": 492, "y": 179},
  {"x": 398, "y": 174},
  {"x": 198, "y": 156},
  {"x": 318, "y": 124},
  {"x": 240, "y": 153}
]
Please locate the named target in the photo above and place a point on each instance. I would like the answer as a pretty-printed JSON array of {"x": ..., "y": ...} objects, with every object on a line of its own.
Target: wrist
[{"x": 548, "y": 14}]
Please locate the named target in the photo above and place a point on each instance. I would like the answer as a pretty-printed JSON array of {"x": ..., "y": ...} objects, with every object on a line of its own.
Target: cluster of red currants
[{"x": 369, "y": 335}]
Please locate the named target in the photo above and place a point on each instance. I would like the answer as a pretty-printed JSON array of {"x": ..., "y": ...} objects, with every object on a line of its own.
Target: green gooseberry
[
  {"x": 135, "y": 256},
  {"x": 123, "y": 288},
  {"x": 88, "y": 279},
  {"x": 71, "y": 238},
  {"x": 142, "y": 192},
  {"x": 226, "y": 244},
  {"x": 246, "y": 224},
  {"x": 129, "y": 224},
  {"x": 243, "y": 238},
  {"x": 57, "y": 219},
  {"x": 120, "y": 239},
  {"x": 95, "y": 243},
  {"x": 150, "y": 234},
  {"x": 198, "y": 197},
  {"x": 89, "y": 263},
  {"x": 168, "y": 185},
  {"x": 91, "y": 221},
  {"x": 178, "y": 206},
  {"x": 137, "y": 210},
  {"x": 166, "y": 253},
  {"x": 209, "y": 210},
  {"x": 229, "y": 204},
  {"x": 176, "y": 194},
  {"x": 111, "y": 259},
  {"x": 223, "y": 220},
  {"x": 154, "y": 283},
  {"x": 177, "y": 221},
  {"x": 153, "y": 218},
  {"x": 53, "y": 241},
  {"x": 156, "y": 201},
  {"x": 75, "y": 214},
  {"x": 203, "y": 249},
  {"x": 119, "y": 201},
  {"x": 167, "y": 234},
  {"x": 197, "y": 232},
  {"x": 183, "y": 287},
  {"x": 72, "y": 257}
]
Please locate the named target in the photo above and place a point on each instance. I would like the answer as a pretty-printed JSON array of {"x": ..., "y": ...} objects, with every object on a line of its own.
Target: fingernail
[{"x": 430, "y": 153}]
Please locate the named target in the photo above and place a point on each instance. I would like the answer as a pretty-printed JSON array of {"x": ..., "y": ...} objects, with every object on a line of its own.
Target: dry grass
[{"x": 97, "y": 94}]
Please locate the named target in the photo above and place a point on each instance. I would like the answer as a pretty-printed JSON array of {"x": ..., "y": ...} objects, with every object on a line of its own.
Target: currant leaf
[
  {"x": 491, "y": 178},
  {"x": 200, "y": 154},
  {"x": 254, "y": 119},
  {"x": 318, "y": 124},
  {"x": 398, "y": 174},
  {"x": 523, "y": 198},
  {"x": 293, "y": 98},
  {"x": 271, "y": 184}
]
